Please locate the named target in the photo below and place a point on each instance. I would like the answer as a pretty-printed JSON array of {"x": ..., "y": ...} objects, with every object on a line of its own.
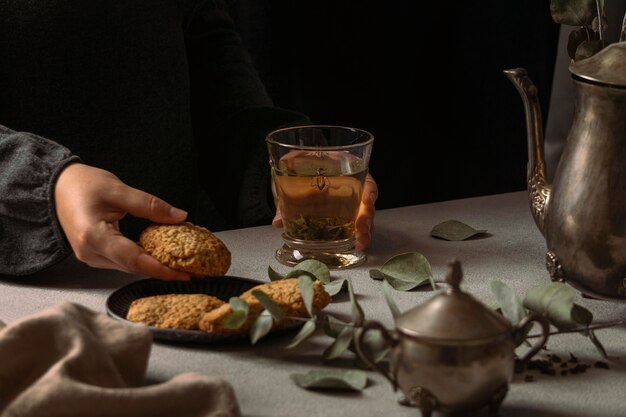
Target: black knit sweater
[{"x": 159, "y": 92}]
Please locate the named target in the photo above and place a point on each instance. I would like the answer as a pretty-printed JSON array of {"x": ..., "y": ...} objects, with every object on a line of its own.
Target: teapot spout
[{"x": 538, "y": 186}]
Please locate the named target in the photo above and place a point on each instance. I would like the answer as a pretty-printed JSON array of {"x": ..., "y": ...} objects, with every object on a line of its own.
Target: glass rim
[{"x": 369, "y": 141}]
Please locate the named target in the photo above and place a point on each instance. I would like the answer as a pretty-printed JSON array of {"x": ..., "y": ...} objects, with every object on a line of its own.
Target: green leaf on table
[
  {"x": 573, "y": 12},
  {"x": 454, "y": 230},
  {"x": 238, "y": 315},
  {"x": 509, "y": 303},
  {"x": 309, "y": 267},
  {"x": 340, "y": 345},
  {"x": 261, "y": 326},
  {"x": 335, "y": 287},
  {"x": 313, "y": 268},
  {"x": 273, "y": 275},
  {"x": 357, "y": 311},
  {"x": 406, "y": 271},
  {"x": 376, "y": 274},
  {"x": 556, "y": 301},
  {"x": 307, "y": 330},
  {"x": 270, "y": 305},
  {"x": 305, "y": 284},
  {"x": 333, "y": 326},
  {"x": 354, "y": 380},
  {"x": 395, "y": 311}
]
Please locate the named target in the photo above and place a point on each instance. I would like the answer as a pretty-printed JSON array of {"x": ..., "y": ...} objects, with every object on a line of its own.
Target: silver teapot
[
  {"x": 582, "y": 214},
  {"x": 451, "y": 353}
]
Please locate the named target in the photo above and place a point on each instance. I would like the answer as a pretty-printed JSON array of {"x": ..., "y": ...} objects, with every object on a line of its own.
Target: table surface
[{"x": 513, "y": 251}]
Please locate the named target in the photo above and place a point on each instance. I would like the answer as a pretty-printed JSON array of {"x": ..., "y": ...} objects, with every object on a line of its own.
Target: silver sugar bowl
[{"x": 452, "y": 353}]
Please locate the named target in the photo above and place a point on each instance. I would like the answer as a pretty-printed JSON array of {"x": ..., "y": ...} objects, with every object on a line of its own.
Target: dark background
[{"x": 425, "y": 79}]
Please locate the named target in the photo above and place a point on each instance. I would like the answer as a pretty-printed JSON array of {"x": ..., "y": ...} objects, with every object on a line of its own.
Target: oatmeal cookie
[
  {"x": 186, "y": 247},
  {"x": 285, "y": 292},
  {"x": 172, "y": 311}
]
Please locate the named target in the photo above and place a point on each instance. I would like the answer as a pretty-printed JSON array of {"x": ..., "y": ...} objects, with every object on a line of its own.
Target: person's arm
[
  {"x": 52, "y": 205},
  {"x": 231, "y": 113},
  {"x": 31, "y": 238}
]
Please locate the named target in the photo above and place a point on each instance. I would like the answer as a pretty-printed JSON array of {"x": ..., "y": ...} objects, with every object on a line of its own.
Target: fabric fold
[{"x": 68, "y": 360}]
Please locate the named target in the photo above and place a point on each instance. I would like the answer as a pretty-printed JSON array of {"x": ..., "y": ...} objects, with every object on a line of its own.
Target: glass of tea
[{"x": 318, "y": 174}]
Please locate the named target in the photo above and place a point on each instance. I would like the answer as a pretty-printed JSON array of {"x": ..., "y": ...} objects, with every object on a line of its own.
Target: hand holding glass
[{"x": 318, "y": 174}]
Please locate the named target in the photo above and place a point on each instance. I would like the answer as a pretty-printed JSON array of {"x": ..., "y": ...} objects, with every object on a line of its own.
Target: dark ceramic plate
[{"x": 118, "y": 303}]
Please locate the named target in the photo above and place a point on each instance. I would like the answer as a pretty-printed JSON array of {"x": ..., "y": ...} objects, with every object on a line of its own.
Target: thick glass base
[{"x": 336, "y": 255}]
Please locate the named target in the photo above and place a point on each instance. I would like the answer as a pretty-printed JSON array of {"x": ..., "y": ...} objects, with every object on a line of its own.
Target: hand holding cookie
[{"x": 89, "y": 202}]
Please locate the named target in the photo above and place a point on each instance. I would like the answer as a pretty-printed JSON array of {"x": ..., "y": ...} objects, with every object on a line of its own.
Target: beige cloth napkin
[{"x": 68, "y": 360}]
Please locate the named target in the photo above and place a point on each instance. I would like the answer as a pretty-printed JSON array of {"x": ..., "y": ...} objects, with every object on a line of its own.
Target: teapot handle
[
  {"x": 545, "y": 331},
  {"x": 359, "y": 343}
]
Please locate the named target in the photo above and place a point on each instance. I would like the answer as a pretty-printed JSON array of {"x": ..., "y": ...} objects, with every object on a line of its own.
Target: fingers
[
  {"x": 114, "y": 251},
  {"x": 367, "y": 211},
  {"x": 278, "y": 218},
  {"x": 147, "y": 206}
]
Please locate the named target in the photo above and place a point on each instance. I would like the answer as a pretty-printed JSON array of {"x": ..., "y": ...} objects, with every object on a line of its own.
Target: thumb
[{"x": 144, "y": 205}]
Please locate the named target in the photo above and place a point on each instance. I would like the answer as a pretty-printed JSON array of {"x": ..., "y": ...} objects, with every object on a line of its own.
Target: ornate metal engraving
[{"x": 554, "y": 267}]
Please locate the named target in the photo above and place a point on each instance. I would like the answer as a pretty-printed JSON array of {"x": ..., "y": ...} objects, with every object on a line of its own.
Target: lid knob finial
[{"x": 455, "y": 275}]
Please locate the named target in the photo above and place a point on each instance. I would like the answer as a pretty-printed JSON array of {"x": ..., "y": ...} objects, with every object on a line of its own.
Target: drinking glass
[{"x": 318, "y": 174}]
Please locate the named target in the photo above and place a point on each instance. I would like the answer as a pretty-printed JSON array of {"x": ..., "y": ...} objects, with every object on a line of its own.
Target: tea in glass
[{"x": 318, "y": 174}]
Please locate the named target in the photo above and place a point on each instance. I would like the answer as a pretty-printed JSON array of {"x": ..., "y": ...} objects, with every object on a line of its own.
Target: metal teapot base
[
  {"x": 558, "y": 274},
  {"x": 427, "y": 402}
]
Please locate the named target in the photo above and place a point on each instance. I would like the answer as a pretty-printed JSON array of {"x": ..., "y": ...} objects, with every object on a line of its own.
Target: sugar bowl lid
[
  {"x": 605, "y": 67},
  {"x": 453, "y": 315}
]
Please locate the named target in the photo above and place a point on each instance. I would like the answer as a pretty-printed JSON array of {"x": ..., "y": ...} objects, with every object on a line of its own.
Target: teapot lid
[
  {"x": 453, "y": 315},
  {"x": 606, "y": 67}
]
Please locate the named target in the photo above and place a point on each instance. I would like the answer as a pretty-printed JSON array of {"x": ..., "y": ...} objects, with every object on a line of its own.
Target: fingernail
[{"x": 178, "y": 213}]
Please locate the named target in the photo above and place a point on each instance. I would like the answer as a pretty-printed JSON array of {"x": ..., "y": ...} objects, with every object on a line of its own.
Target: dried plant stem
[
  {"x": 622, "y": 36},
  {"x": 596, "y": 326}
]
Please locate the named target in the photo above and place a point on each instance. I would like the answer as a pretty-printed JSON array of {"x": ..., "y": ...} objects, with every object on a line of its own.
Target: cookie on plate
[
  {"x": 285, "y": 292},
  {"x": 172, "y": 311},
  {"x": 186, "y": 247}
]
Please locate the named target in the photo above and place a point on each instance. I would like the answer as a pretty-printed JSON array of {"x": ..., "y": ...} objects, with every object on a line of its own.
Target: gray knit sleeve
[{"x": 31, "y": 237}]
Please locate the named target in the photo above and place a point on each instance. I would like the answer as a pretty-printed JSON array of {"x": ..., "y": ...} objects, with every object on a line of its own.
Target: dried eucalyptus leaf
[
  {"x": 407, "y": 271},
  {"x": 595, "y": 24},
  {"x": 395, "y": 311},
  {"x": 335, "y": 287},
  {"x": 317, "y": 269},
  {"x": 573, "y": 12},
  {"x": 273, "y": 275},
  {"x": 261, "y": 326},
  {"x": 454, "y": 230},
  {"x": 376, "y": 274},
  {"x": 357, "y": 311},
  {"x": 575, "y": 38},
  {"x": 510, "y": 304},
  {"x": 354, "y": 380},
  {"x": 334, "y": 326},
  {"x": 587, "y": 49},
  {"x": 238, "y": 315},
  {"x": 306, "y": 290},
  {"x": 307, "y": 330},
  {"x": 556, "y": 301},
  {"x": 340, "y": 345},
  {"x": 270, "y": 305}
]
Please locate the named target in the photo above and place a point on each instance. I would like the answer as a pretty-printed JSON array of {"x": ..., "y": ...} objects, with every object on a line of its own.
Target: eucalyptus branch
[{"x": 597, "y": 326}]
